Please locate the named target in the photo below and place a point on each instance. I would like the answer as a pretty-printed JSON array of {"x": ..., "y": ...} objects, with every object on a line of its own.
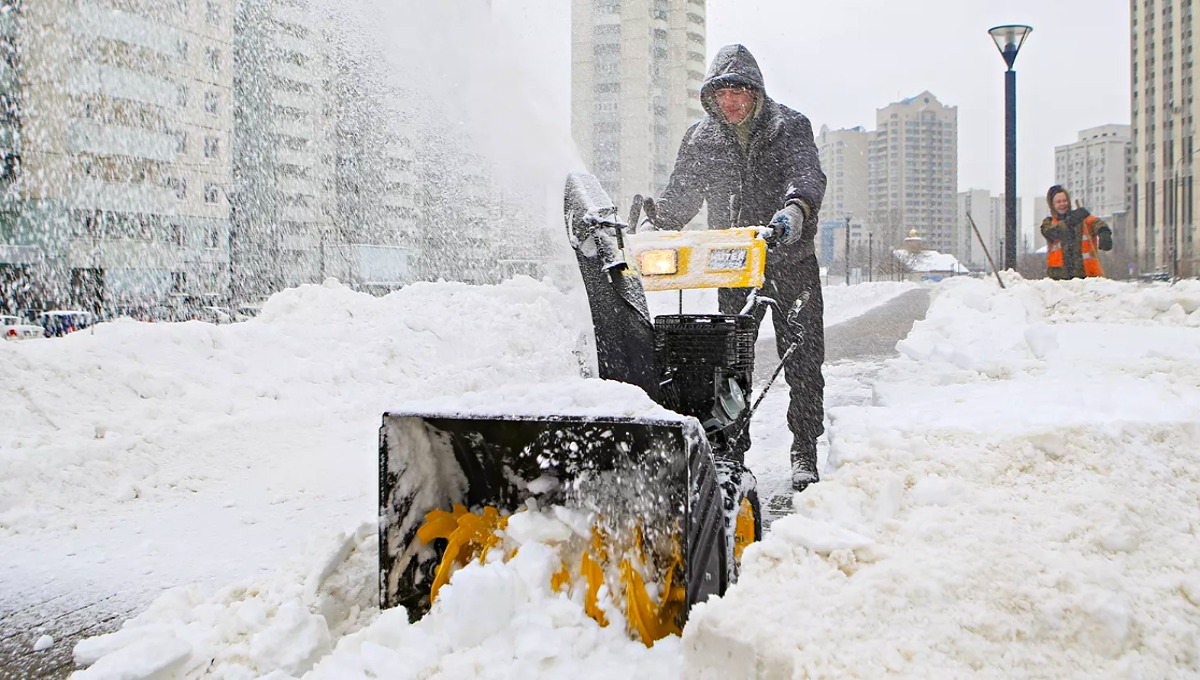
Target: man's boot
[{"x": 804, "y": 464}]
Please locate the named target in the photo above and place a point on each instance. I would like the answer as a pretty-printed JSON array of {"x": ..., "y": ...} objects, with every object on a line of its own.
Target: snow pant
[{"x": 787, "y": 277}]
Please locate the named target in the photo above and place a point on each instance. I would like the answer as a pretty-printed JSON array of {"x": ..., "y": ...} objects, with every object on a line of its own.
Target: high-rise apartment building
[
  {"x": 283, "y": 160},
  {"x": 636, "y": 71},
  {"x": 988, "y": 213},
  {"x": 843, "y": 155},
  {"x": 1094, "y": 169},
  {"x": 116, "y": 120},
  {"x": 1162, "y": 203},
  {"x": 913, "y": 173}
]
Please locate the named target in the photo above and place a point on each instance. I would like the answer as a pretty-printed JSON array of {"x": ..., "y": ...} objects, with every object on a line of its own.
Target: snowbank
[
  {"x": 287, "y": 401},
  {"x": 1018, "y": 500}
]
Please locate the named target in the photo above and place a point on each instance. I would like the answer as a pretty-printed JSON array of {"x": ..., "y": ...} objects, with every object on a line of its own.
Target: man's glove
[
  {"x": 787, "y": 224},
  {"x": 1105, "y": 238}
]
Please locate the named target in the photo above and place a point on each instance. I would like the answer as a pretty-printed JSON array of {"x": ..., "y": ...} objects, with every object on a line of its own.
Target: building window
[
  {"x": 178, "y": 282},
  {"x": 212, "y": 193},
  {"x": 212, "y": 147},
  {"x": 213, "y": 55},
  {"x": 212, "y": 13},
  {"x": 214, "y": 238},
  {"x": 9, "y": 51},
  {"x": 181, "y": 96},
  {"x": 212, "y": 102},
  {"x": 178, "y": 185},
  {"x": 10, "y": 166}
]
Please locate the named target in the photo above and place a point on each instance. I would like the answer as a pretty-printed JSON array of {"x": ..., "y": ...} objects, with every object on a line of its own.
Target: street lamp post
[
  {"x": 870, "y": 256},
  {"x": 847, "y": 249},
  {"x": 1008, "y": 40},
  {"x": 1177, "y": 194}
]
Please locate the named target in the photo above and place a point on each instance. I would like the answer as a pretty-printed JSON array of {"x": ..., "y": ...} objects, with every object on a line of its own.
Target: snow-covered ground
[{"x": 1017, "y": 496}]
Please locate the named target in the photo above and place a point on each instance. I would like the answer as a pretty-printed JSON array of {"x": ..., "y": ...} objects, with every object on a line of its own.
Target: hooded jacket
[
  {"x": 744, "y": 185},
  {"x": 1073, "y": 241}
]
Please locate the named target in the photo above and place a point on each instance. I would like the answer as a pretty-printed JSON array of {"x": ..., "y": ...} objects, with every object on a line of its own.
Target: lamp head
[{"x": 1009, "y": 39}]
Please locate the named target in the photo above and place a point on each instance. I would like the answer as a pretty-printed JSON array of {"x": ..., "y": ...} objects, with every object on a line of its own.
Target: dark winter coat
[{"x": 744, "y": 187}]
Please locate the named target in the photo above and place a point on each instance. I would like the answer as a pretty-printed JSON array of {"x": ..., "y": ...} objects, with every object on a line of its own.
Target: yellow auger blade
[
  {"x": 592, "y": 568},
  {"x": 743, "y": 532},
  {"x": 469, "y": 536},
  {"x": 651, "y": 620}
]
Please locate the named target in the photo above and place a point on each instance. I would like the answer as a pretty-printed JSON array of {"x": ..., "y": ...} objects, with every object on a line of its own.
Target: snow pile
[
  {"x": 290, "y": 400},
  {"x": 1018, "y": 500},
  {"x": 284, "y": 623},
  {"x": 318, "y": 618},
  {"x": 1017, "y": 497}
]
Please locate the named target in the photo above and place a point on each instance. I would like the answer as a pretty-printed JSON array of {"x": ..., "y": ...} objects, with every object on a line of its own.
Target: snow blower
[{"x": 668, "y": 502}]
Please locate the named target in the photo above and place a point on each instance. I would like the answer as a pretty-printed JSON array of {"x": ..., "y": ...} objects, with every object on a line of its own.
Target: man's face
[
  {"x": 736, "y": 103},
  {"x": 1061, "y": 203}
]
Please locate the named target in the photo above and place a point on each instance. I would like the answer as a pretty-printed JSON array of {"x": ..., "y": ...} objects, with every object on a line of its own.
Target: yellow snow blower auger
[{"x": 662, "y": 506}]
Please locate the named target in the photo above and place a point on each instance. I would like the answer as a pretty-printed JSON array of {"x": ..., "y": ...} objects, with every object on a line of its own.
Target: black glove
[
  {"x": 1105, "y": 238},
  {"x": 1077, "y": 216}
]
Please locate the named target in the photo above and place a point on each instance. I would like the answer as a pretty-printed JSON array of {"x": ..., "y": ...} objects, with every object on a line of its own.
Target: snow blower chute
[{"x": 667, "y": 502}]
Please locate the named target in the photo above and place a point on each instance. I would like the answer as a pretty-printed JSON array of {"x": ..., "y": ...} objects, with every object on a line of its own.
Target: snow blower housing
[{"x": 670, "y": 504}]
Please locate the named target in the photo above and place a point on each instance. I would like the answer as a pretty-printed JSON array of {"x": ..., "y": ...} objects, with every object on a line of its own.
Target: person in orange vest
[{"x": 1073, "y": 238}]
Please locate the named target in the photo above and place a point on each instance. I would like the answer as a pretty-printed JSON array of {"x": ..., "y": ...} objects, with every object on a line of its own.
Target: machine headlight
[
  {"x": 658, "y": 262},
  {"x": 727, "y": 259}
]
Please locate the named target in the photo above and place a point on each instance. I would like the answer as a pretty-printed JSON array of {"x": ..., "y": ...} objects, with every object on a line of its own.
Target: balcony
[
  {"x": 118, "y": 197},
  {"x": 304, "y": 102},
  {"x": 300, "y": 215},
  {"x": 299, "y": 74},
  {"x": 119, "y": 83},
  {"x": 291, "y": 43},
  {"x": 302, "y": 159},
  {"x": 289, "y": 15},
  {"x": 297, "y": 186},
  {"x": 111, "y": 140},
  {"x": 92, "y": 20},
  {"x": 123, "y": 254},
  {"x": 305, "y": 129}
]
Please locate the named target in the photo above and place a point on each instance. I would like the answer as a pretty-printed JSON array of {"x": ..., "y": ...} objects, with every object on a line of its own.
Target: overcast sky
[{"x": 837, "y": 61}]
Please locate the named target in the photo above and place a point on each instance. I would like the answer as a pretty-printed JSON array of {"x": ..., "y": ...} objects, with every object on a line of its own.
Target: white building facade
[
  {"x": 636, "y": 71},
  {"x": 913, "y": 173},
  {"x": 1162, "y": 201},
  {"x": 1094, "y": 169},
  {"x": 987, "y": 211},
  {"x": 116, "y": 135}
]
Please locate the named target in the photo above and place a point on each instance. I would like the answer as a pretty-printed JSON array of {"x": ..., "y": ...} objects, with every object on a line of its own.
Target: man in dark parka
[{"x": 754, "y": 162}]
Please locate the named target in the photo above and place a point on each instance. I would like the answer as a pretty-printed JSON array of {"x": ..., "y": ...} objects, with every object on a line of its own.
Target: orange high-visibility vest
[{"x": 1087, "y": 248}]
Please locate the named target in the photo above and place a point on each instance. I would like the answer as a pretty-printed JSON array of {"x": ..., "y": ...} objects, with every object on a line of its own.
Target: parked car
[
  {"x": 247, "y": 312},
  {"x": 211, "y": 314},
  {"x": 14, "y": 328},
  {"x": 59, "y": 322}
]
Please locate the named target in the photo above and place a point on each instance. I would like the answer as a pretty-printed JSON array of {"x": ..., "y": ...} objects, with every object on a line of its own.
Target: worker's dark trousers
[{"x": 787, "y": 276}]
